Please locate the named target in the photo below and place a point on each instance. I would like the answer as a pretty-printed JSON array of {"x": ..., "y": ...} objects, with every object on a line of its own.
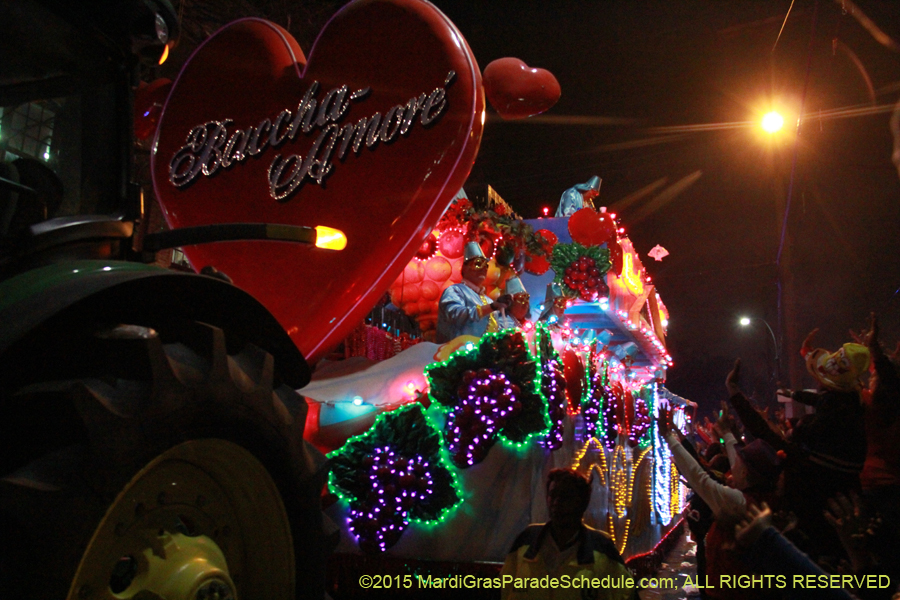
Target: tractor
[{"x": 152, "y": 438}]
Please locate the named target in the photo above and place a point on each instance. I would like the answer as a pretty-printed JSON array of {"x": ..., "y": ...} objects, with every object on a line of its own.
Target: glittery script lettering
[{"x": 216, "y": 145}]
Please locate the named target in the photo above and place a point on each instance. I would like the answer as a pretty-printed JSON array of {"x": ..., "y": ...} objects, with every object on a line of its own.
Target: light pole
[{"x": 746, "y": 321}]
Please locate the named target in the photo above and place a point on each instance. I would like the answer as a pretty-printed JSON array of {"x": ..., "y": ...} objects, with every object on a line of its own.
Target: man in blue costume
[
  {"x": 577, "y": 197},
  {"x": 464, "y": 308},
  {"x": 519, "y": 309}
]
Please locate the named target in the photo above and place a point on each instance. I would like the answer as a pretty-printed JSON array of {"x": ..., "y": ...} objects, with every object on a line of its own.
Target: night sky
[{"x": 637, "y": 79}]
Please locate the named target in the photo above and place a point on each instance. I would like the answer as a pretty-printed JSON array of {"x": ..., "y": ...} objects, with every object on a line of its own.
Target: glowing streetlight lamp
[
  {"x": 772, "y": 122},
  {"x": 745, "y": 322}
]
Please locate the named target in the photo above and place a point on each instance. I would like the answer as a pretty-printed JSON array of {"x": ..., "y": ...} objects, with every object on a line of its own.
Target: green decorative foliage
[
  {"x": 576, "y": 278},
  {"x": 503, "y": 355},
  {"x": 409, "y": 433}
]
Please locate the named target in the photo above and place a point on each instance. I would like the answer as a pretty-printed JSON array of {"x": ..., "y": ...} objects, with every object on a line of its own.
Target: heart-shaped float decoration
[
  {"x": 374, "y": 137},
  {"x": 591, "y": 228},
  {"x": 149, "y": 99},
  {"x": 516, "y": 90}
]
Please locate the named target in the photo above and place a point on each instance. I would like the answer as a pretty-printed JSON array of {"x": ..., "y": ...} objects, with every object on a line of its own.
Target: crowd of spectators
[{"x": 814, "y": 500}]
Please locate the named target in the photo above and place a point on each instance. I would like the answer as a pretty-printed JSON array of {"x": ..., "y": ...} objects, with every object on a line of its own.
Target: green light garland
[
  {"x": 505, "y": 354},
  {"x": 411, "y": 434}
]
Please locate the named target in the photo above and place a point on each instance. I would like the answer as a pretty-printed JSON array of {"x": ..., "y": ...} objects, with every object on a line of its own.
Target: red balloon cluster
[
  {"x": 438, "y": 265},
  {"x": 584, "y": 276}
]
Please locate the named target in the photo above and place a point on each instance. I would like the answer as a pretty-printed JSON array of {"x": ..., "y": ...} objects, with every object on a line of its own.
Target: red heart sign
[
  {"x": 148, "y": 103},
  {"x": 590, "y": 228},
  {"x": 374, "y": 137},
  {"x": 516, "y": 91}
]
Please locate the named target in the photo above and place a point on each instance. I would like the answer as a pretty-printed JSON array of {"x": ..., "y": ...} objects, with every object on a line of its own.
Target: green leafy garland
[
  {"x": 566, "y": 255},
  {"x": 504, "y": 354},
  {"x": 418, "y": 463}
]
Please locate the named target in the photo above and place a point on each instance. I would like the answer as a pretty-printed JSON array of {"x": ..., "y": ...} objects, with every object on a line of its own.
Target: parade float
[{"x": 440, "y": 452}]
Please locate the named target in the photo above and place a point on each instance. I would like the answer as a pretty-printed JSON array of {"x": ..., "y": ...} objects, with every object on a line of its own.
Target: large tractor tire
[{"x": 160, "y": 466}]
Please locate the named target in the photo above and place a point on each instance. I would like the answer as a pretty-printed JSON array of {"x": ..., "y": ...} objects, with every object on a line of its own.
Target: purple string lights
[
  {"x": 597, "y": 399},
  {"x": 397, "y": 483},
  {"x": 487, "y": 401},
  {"x": 641, "y": 423},
  {"x": 553, "y": 387}
]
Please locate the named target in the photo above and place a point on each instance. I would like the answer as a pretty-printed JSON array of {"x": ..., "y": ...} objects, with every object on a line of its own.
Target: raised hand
[
  {"x": 852, "y": 526},
  {"x": 725, "y": 423},
  {"x": 732, "y": 381},
  {"x": 664, "y": 420},
  {"x": 751, "y": 525}
]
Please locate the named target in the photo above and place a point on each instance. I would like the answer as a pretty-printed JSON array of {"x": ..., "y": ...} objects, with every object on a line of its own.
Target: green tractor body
[{"x": 150, "y": 435}]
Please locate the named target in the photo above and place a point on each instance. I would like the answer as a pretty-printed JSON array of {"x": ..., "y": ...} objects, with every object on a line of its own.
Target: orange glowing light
[
  {"x": 165, "y": 54},
  {"x": 332, "y": 239},
  {"x": 630, "y": 276},
  {"x": 772, "y": 122}
]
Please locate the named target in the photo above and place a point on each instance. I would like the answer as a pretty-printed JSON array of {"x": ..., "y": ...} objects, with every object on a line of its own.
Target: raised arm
[{"x": 720, "y": 498}]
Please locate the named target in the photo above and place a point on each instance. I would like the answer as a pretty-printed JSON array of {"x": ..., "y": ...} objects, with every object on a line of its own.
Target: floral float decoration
[
  {"x": 488, "y": 392},
  {"x": 553, "y": 386},
  {"x": 393, "y": 475},
  {"x": 538, "y": 263},
  {"x": 580, "y": 270}
]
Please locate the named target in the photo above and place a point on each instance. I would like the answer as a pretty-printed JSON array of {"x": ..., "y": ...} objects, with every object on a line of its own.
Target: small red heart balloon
[
  {"x": 516, "y": 91},
  {"x": 374, "y": 137},
  {"x": 590, "y": 228}
]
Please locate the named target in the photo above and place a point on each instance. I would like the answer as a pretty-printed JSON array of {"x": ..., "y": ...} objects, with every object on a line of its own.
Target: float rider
[
  {"x": 578, "y": 196},
  {"x": 520, "y": 307},
  {"x": 465, "y": 308}
]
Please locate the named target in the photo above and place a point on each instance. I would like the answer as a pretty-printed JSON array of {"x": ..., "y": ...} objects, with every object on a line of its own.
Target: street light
[
  {"x": 772, "y": 122},
  {"x": 745, "y": 322}
]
